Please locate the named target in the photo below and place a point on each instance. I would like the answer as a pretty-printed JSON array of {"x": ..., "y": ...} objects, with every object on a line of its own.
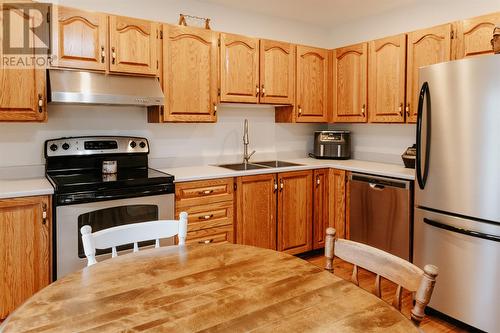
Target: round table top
[{"x": 212, "y": 287}]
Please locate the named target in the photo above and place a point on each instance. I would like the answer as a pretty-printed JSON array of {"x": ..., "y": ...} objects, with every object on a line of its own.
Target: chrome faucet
[{"x": 246, "y": 156}]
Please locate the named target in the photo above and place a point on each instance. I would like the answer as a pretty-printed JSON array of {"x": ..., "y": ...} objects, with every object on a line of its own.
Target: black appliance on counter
[
  {"x": 332, "y": 144},
  {"x": 88, "y": 192}
]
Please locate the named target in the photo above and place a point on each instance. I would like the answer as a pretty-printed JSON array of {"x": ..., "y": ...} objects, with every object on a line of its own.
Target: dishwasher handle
[{"x": 379, "y": 183}]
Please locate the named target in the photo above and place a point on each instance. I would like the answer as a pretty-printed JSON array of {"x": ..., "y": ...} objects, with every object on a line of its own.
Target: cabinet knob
[
  {"x": 257, "y": 91},
  {"x": 113, "y": 55},
  {"x": 275, "y": 186},
  {"x": 363, "y": 110},
  {"x": 103, "y": 54},
  {"x": 300, "y": 110},
  {"x": 281, "y": 185},
  {"x": 401, "y": 109},
  {"x": 407, "y": 109},
  {"x": 215, "y": 109},
  {"x": 318, "y": 180},
  {"x": 263, "y": 91}
]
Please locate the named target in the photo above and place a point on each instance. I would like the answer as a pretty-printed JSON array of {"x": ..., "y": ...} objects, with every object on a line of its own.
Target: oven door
[{"x": 69, "y": 255}]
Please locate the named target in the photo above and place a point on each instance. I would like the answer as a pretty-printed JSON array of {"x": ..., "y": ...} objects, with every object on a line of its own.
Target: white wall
[{"x": 422, "y": 14}]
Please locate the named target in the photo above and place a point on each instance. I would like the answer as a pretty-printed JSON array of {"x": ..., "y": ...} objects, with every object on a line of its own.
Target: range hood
[{"x": 80, "y": 87}]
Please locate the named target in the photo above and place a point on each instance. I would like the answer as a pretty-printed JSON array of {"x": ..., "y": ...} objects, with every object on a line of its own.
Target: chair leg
[
  {"x": 329, "y": 248},
  {"x": 424, "y": 292}
]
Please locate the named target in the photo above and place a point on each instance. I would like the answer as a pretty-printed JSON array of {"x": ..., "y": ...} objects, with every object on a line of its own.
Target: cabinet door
[
  {"x": 312, "y": 82},
  {"x": 79, "y": 39},
  {"x": 295, "y": 212},
  {"x": 277, "y": 72},
  {"x": 474, "y": 35},
  {"x": 349, "y": 71},
  {"x": 425, "y": 47},
  {"x": 24, "y": 250},
  {"x": 256, "y": 211},
  {"x": 239, "y": 70},
  {"x": 190, "y": 74},
  {"x": 387, "y": 79},
  {"x": 321, "y": 216},
  {"x": 133, "y": 45},
  {"x": 22, "y": 88},
  {"x": 337, "y": 201}
]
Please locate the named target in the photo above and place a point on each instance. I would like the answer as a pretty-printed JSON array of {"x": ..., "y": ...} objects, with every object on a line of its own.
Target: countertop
[
  {"x": 184, "y": 174},
  {"x": 24, "y": 187},
  {"x": 12, "y": 188}
]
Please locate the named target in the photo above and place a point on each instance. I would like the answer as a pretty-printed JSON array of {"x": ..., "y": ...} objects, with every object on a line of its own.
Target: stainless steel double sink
[{"x": 258, "y": 165}]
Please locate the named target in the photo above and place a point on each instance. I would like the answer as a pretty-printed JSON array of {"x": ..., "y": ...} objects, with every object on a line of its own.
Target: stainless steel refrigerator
[{"x": 457, "y": 195}]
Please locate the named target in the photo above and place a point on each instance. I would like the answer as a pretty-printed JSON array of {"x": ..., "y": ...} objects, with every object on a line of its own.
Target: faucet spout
[{"x": 246, "y": 142}]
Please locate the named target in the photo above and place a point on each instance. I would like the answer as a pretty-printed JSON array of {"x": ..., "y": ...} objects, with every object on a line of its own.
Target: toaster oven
[{"x": 332, "y": 144}]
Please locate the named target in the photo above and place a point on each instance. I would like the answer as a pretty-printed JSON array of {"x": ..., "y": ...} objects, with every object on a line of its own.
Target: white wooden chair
[
  {"x": 132, "y": 233},
  {"x": 403, "y": 273}
]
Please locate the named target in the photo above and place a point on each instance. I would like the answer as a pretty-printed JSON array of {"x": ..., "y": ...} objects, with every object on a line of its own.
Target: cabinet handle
[
  {"x": 205, "y": 192},
  {"x": 401, "y": 109},
  {"x": 205, "y": 217},
  {"x": 300, "y": 110},
  {"x": 113, "y": 55},
  {"x": 407, "y": 109},
  {"x": 44, "y": 214},
  {"x": 257, "y": 91},
  {"x": 317, "y": 181},
  {"x": 281, "y": 185},
  {"x": 263, "y": 91},
  {"x": 363, "y": 109},
  {"x": 103, "y": 55},
  {"x": 206, "y": 241},
  {"x": 40, "y": 103},
  {"x": 215, "y": 109},
  {"x": 275, "y": 186}
]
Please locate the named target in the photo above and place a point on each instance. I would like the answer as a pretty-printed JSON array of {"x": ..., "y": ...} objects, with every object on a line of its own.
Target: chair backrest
[
  {"x": 132, "y": 233},
  {"x": 403, "y": 273}
]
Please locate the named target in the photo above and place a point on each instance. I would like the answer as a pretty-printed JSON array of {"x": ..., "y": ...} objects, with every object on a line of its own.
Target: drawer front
[
  {"x": 203, "y": 192},
  {"x": 209, "y": 216},
  {"x": 212, "y": 235}
]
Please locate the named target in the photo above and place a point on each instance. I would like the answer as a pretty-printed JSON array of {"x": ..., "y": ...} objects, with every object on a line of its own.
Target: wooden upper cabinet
[
  {"x": 425, "y": 47},
  {"x": 387, "y": 79},
  {"x": 295, "y": 212},
  {"x": 239, "y": 69},
  {"x": 312, "y": 84},
  {"x": 22, "y": 89},
  {"x": 256, "y": 211},
  {"x": 349, "y": 74},
  {"x": 132, "y": 44},
  {"x": 277, "y": 72},
  {"x": 190, "y": 74},
  {"x": 474, "y": 35},
  {"x": 80, "y": 39},
  {"x": 24, "y": 250}
]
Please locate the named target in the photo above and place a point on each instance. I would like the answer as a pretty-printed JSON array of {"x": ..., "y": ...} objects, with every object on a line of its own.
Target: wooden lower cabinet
[
  {"x": 321, "y": 216},
  {"x": 25, "y": 249},
  {"x": 337, "y": 201},
  {"x": 256, "y": 210},
  {"x": 295, "y": 212}
]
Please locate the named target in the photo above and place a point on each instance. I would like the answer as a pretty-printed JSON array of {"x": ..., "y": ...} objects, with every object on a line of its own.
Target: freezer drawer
[
  {"x": 467, "y": 254},
  {"x": 379, "y": 213}
]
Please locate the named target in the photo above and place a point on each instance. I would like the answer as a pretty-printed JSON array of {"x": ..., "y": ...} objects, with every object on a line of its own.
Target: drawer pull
[
  {"x": 206, "y": 192},
  {"x": 205, "y": 217},
  {"x": 206, "y": 241}
]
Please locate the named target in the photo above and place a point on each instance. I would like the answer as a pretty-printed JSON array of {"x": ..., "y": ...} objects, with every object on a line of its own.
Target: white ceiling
[{"x": 325, "y": 13}]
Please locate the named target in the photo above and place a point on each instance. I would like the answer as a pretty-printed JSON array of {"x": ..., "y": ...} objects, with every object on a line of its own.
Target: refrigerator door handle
[
  {"x": 422, "y": 174},
  {"x": 467, "y": 232}
]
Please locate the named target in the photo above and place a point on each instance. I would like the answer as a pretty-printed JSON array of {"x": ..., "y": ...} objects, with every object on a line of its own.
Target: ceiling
[{"x": 325, "y": 13}]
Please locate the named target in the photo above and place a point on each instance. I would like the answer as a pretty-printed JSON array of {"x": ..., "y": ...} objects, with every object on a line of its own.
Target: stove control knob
[
  {"x": 65, "y": 146},
  {"x": 53, "y": 147},
  {"x": 133, "y": 144},
  {"x": 142, "y": 144}
]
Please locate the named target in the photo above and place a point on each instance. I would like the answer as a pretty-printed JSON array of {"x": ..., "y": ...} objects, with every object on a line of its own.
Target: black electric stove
[{"x": 74, "y": 167}]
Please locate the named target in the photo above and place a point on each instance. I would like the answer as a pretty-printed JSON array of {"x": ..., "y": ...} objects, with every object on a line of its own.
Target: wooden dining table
[{"x": 205, "y": 287}]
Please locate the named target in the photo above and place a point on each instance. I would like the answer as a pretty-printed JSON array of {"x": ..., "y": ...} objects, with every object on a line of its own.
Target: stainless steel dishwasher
[{"x": 380, "y": 213}]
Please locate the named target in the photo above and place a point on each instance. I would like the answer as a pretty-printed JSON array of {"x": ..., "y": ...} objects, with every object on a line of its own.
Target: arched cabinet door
[
  {"x": 312, "y": 82},
  {"x": 190, "y": 74},
  {"x": 132, "y": 45},
  {"x": 239, "y": 69},
  {"x": 350, "y": 103},
  {"x": 474, "y": 35},
  {"x": 386, "y": 79},
  {"x": 79, "y": 39},
  {"x": 277, "y": 72},
  {"x": 425, "y": 47}
]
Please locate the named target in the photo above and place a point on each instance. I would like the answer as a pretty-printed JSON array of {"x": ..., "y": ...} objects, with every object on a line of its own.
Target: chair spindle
[
  {"x": 377, "y": 286},
  {"x": 136, "y": 247},
  {"x": 397, "y": 298},
  {"x": 113, "y": 252},
  {"x": 157, "y": 243},
  {"x": 354, "y": 277}
]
